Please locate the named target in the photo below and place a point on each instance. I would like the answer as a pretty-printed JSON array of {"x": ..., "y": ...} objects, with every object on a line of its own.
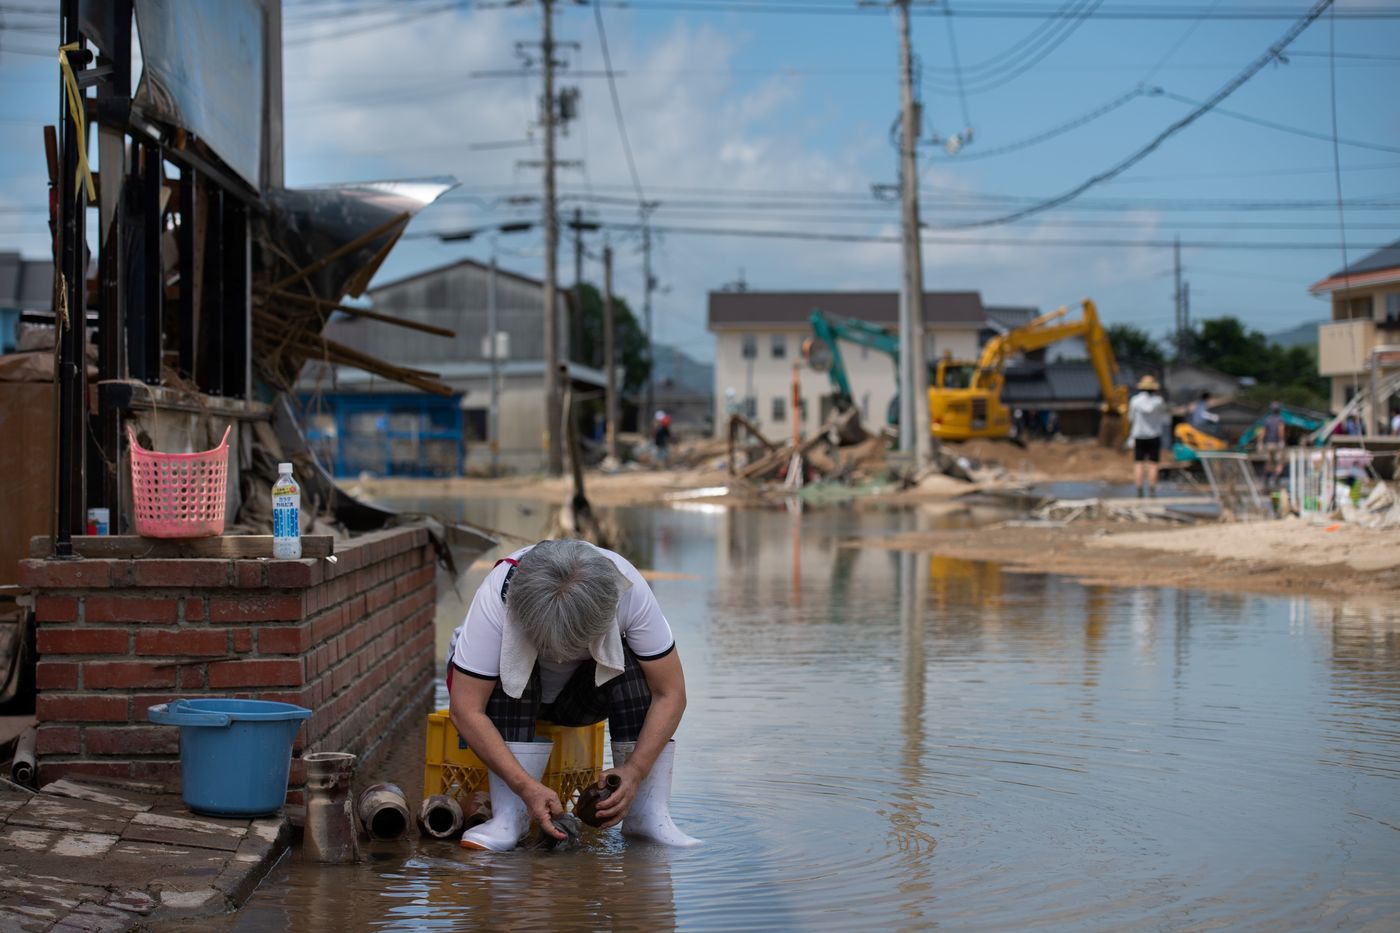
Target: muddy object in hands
[
  {"x": 587, "y": 807},
  {"x": 440, "y": 817},
  {"x": 383, "y": 811},
  {"x": 567, "y": 824},
  {"x": 330, "y": 835}
]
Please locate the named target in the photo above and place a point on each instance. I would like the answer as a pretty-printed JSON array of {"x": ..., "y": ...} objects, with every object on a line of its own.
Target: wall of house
[
  {"x": 351, "y": 640},
  {"x": 766, "y": 377}
]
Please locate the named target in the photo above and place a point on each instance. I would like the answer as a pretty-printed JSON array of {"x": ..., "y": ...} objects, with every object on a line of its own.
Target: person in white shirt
[
  {"x": 1148, "y": 418},
  {"x": 570, "y": 633}
]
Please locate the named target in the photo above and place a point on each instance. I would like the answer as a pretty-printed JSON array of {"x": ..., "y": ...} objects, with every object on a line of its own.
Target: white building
[
  {"x": 1365, "y": 330},
  {"x": 758, "y": 338}
]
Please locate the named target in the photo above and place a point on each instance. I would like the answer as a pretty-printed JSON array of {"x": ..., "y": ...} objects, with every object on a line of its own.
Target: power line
[
  {"x": 1283, "y": 127},
  {"x": 994, "y": 11},
  {"x": 1062, "y": 128},
  {"x": 1122, "y": 166},
  {"x": 617, "y": 107}
]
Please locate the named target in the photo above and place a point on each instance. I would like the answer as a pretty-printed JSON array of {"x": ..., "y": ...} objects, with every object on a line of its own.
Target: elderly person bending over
[{"x": 570, "y": 633}]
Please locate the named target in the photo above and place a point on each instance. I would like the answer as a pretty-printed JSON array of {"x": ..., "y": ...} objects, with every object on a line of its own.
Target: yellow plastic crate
[{"x": 449, "y": 767}]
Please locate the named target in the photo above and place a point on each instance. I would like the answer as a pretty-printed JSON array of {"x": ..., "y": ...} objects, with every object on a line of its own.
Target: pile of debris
[{"x": 840, "y": 452}]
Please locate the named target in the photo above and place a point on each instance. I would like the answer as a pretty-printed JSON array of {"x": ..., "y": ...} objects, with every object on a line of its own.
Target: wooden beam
[
  {"x": 356, "y": 312},
  {"x": 359, "y": 241},
  {"x": 135, "y": 547}
]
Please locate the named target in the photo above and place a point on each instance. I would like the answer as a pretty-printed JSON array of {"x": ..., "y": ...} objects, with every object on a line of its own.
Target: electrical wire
[
  {"x": 1123, "y": 165},
  {"x": 991, "y": 10},
  {"x": 1061, "y": 129},
  {"x": 617, "y": 108},
  {"x": 1285, "y": 128},
  {"x": 1190, "y": 31},
  {"x": 1337, "y": 157},
  {"x": 957, "y": 66}
]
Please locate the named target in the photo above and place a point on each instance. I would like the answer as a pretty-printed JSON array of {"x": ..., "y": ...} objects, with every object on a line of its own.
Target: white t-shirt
[{"x": 476, "y": 644}]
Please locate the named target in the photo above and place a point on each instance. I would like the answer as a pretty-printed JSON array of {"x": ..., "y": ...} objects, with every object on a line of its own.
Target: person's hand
[
  {"x": 615, "y": 807},
  {"x": 543, "y": 805}
]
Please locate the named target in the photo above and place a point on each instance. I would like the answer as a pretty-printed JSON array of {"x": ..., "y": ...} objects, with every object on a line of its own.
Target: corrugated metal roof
[{"x": 757, "y": 309}]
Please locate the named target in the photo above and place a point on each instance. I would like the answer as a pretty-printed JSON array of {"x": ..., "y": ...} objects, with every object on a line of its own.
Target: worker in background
[
  {"x": 1272, "y": 441},
  {"x": 661, "y": 437},
  {"x": 570, "y": 633},
  {"x": 1201, "y": 417},
  {"x": 1148, "y": 420},
  {"x": 1395, "y": 423}
]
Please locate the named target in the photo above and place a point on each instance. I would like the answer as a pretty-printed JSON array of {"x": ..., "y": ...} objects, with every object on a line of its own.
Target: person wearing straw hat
[{"x": 1148, "y": 418}]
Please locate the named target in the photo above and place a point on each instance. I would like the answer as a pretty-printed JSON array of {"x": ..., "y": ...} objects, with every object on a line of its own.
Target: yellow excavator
[{"x": 964, "y": 400}]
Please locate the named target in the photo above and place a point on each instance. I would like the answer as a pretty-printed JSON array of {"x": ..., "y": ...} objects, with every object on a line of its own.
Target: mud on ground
[{"x": 1288, "y": 557}]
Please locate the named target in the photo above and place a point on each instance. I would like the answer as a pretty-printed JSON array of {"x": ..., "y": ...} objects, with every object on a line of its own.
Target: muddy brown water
[{"x": 884, "y": 740}]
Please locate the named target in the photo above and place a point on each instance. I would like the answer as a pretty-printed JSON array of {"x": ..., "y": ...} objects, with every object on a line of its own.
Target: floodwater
[{"x": 881, "y": 740}]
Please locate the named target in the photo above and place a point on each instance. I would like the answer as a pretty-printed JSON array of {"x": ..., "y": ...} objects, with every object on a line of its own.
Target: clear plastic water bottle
[{"x": 286, "y": 515}]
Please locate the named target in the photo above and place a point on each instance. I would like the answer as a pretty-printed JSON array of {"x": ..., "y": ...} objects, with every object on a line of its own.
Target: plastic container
[
  {"x": 286, "y": 515},
  {"x": 450, "y": 768},
  {"x": 179, "y": 495},
  {"x": 235, "y": 755}
]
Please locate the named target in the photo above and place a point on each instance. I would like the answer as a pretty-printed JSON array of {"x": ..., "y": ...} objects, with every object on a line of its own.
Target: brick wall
[{"x": 351, "y": 640}]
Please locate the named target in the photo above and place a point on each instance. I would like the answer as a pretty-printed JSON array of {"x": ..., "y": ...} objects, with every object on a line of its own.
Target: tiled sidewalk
[{"x": 91, "y": 857}]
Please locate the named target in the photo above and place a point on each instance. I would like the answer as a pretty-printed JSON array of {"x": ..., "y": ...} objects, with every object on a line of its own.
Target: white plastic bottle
[{"x": 286, "y": 515}]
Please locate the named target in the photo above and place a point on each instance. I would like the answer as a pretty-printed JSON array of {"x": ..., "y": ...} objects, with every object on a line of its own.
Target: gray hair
[{"x": 563, "y": 596}]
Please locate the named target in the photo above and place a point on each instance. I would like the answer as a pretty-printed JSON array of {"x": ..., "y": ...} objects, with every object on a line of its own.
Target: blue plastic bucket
[{"x": 235, "y": 755}]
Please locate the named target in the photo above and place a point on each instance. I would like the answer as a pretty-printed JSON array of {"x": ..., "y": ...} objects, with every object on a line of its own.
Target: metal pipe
[
  {"x": 330, "y": 834},
  {"x": 22, "y": 770},
  {"x": 441, "y": 817},
  {"x": 383, "y": 811},
  {"x": 493, "y": 426}
]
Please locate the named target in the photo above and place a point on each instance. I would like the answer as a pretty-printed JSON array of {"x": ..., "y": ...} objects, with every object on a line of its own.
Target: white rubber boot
[
  {"x": 509, "y": 818},
  {"x": 650, "y": 814}
]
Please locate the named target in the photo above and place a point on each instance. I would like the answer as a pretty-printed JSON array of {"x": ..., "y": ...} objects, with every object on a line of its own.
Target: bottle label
[{"x": 286, "y": 516}]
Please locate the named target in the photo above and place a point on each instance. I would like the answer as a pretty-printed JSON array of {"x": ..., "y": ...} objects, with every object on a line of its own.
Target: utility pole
[
  {"x": 1176, "y": 299},
  {"x": 553, "y": 443},
  {"x": 493, "y": 424},
  {"x": 648, "y": 287},
  {"x": 609, "y": 359},
  {"x": 576, "y": 331},
  {"x": 913, "y": 377}
]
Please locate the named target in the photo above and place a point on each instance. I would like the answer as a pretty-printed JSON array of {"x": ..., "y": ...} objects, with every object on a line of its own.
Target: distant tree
[
  {"x": 631, "y": 346},
  {"x": 1285, "y": 374},
  {"x": 1133, "y": 344}
]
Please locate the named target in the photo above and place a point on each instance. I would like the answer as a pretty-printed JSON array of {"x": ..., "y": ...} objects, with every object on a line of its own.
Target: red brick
[
  {"x": 191, "y": 676},
  {"x": 56, "y": 675},
  {"x": 65, "y": 574},
  {"x": 71, "y": 708},
  {"x": 165, "y": 773},
  {"x": 131, "y": 609},
  {"x": 250, "y": 574},
  {"x": 54, "y": 770},
  {"x": 242, "y": 640},
  {"x": 142, "y": 702},
  {"x": 179, "y": 574},
  {"x": 294, "y": 639},
  {"x": 131, "y": 740},
  {"x": 199, "y": 642},
  {"x": 59, "y": 740},
  {"x": 283, "y": 607},
  {"x": 194, "y": 609},
  {"x": 82, "y": 640},
  {"x": 56, "y": 609},
  {"x": 107, "y": 675},
  {"x": 255, "y": 673},
  {"x": 293, "y": 573}
]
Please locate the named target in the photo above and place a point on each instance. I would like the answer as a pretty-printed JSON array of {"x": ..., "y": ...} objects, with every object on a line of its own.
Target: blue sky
[{"x": 781, "y": 122}]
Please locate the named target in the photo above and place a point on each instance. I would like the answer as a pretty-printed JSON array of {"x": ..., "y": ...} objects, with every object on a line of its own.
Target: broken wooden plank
[{"x": 224, "y": 547}]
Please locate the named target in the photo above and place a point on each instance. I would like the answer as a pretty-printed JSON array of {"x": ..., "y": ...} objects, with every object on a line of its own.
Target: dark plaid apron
[{"x": 622, "y": 701}]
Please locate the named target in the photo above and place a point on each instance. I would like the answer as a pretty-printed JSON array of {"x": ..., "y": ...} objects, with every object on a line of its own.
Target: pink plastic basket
[{"x": 179, "y": 495}]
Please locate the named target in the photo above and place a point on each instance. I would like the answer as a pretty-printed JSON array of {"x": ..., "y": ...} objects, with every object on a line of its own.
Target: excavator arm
[{"x": 829, "y": 331}]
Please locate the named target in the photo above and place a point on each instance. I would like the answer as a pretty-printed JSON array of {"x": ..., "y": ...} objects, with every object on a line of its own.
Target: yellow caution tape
[{"x": 75, "y": 110}]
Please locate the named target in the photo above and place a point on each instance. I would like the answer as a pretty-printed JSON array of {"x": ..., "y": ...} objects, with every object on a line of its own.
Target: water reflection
[{"x": 881, "y": 739}]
